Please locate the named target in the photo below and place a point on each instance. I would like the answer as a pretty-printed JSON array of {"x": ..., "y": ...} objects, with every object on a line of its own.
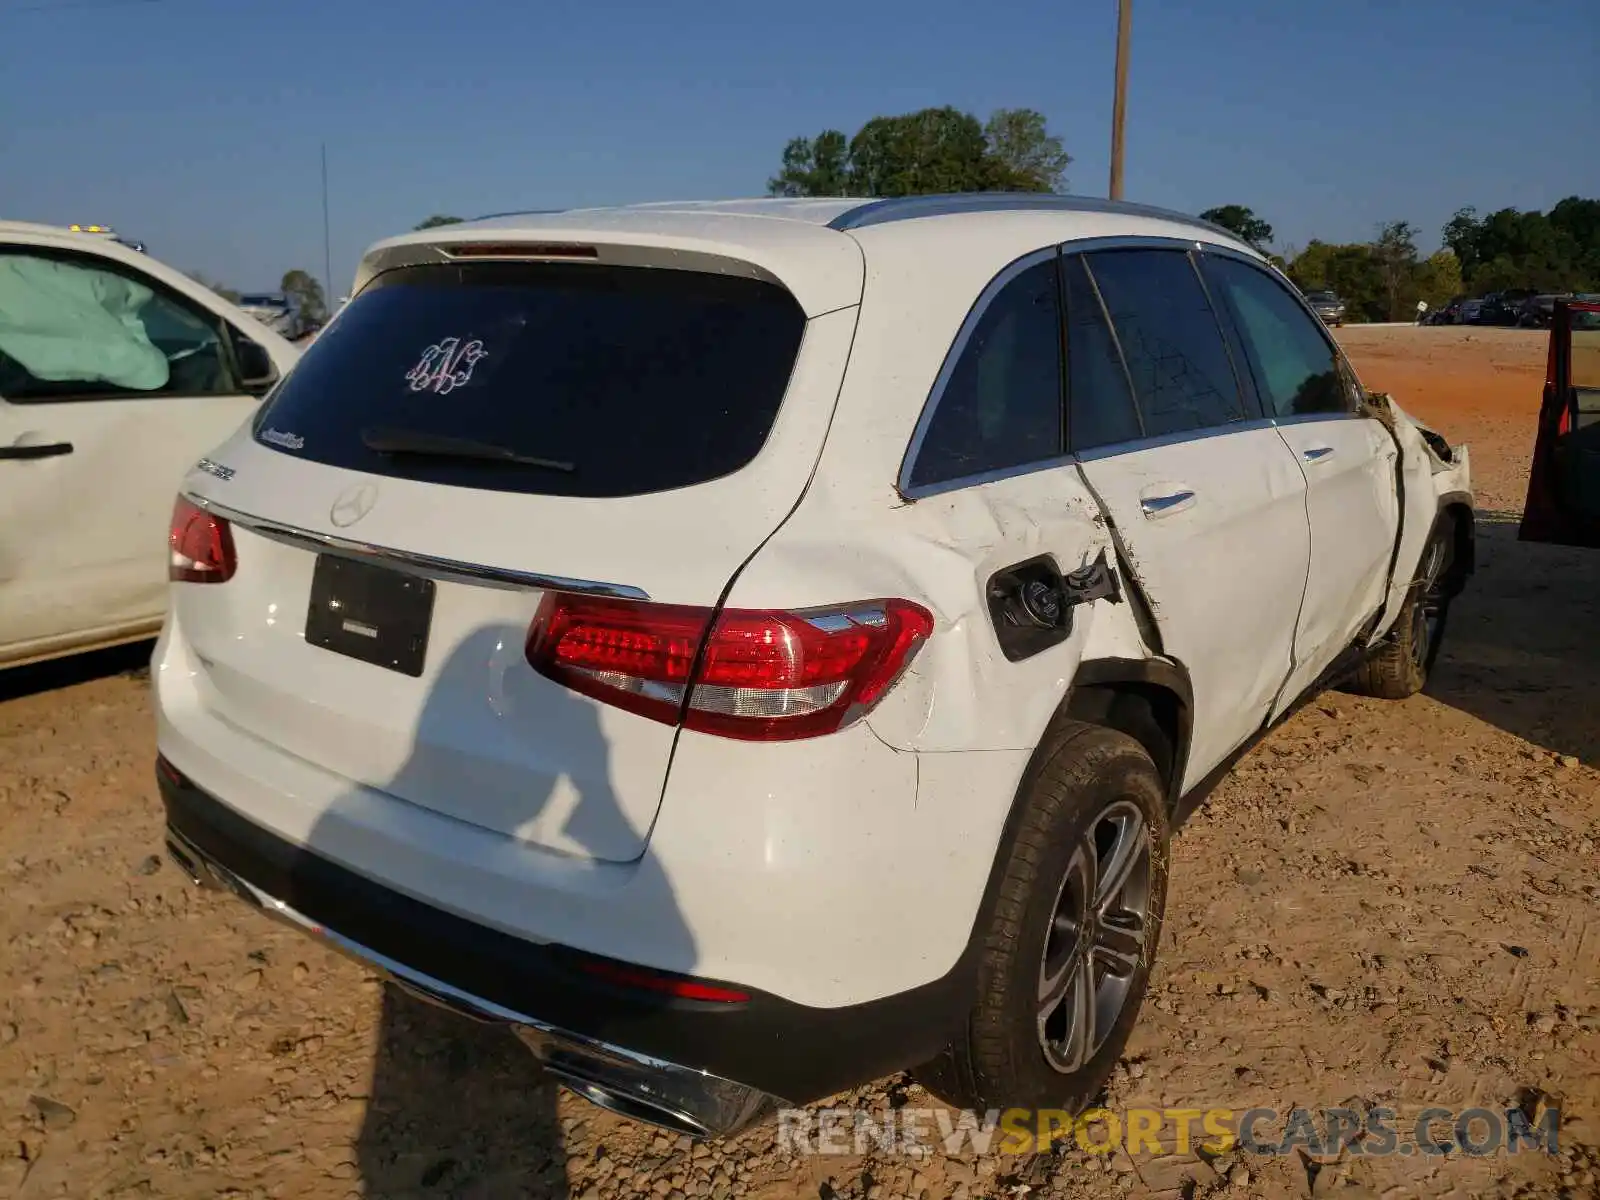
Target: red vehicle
[{"x": 1563, "y": 503}]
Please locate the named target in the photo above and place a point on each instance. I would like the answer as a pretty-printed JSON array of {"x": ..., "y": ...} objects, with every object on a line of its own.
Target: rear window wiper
[{"x": 435, "y": 445}]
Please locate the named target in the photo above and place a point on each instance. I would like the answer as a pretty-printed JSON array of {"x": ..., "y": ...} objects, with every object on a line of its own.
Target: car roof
[
  {"x": 812, "y": 245},
  {"x": 847, "y": 212}
]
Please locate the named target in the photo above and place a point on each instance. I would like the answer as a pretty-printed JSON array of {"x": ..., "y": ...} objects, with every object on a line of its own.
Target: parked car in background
[
  {"x": 1470, "y": 312},
  {"x": 117, "y": 374},
  {"x": 1328, "y": 306},
  {"x": 1563, "y": 502},
  {"x": 279, "y": 312},
  {"x": 1504, "y": 308},
  {"x": 612, "y": 599},
  {"x": 1537, "y": 311}
]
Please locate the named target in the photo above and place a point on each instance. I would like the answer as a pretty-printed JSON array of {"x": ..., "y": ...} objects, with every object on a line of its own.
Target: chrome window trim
[
  {"x": 952, "y": 358},
  {"x": 1111, "y": 450},
  {"x": 1315, "y": 418},
  {"x": 983, "y": 477},
  {"x": 930, "y": 406},
  {"x": 442, "y": 569}
]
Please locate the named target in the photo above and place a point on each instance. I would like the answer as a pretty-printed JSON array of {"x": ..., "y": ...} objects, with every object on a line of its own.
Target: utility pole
[
  {"x": 327, "y": 243},
  {"x": 1119, "y": 106}
]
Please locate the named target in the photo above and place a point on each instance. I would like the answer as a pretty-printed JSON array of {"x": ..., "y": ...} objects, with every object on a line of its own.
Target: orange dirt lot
[{"x": 1385, "y": 904}]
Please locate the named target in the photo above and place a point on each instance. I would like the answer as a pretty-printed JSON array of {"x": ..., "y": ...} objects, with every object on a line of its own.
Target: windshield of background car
[{"x": 641, "y": 379}]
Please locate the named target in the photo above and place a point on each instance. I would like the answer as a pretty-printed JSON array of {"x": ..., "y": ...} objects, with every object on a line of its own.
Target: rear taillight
[
  {"x": 642, "y": 979},
  {"x": 200, "y": 546},
  {"x": 755, "y": 674}
]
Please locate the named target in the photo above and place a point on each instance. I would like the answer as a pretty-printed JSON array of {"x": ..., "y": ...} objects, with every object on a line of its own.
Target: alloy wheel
[{"x": 1096, "y": 942}]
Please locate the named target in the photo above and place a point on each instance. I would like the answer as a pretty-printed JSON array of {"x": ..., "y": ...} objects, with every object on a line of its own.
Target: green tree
[
  {"x": 1024, "y": 155},
  {"x": 437, "y": 220},
  {"x": 1438, "y": 278},
  {"x": 818, "y": 166},
  {"x": 932, "y": 150},
  {"x": 1350, "y": 270},
  {"x": 1395, "y": 255},
  {"x": 303, "y": 287},
  {"x": 1242, "y": 223},
  {"x": 1461, "y": 234},
  {"x": 1554, "y": 251}
]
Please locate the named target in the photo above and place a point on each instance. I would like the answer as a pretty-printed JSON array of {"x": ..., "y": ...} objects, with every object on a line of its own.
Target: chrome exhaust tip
[
  {"x": 634, "y": 1110},
  {"x": 190, "y": 863},
  {"x": 671, "y": 1097}
]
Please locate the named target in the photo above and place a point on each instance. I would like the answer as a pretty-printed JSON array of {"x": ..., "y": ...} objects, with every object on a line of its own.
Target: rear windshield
[{"x": 562, "y": 379}]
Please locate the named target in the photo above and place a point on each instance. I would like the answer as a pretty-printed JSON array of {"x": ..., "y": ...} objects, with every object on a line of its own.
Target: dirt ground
[{"x": 1385, "y": 904}]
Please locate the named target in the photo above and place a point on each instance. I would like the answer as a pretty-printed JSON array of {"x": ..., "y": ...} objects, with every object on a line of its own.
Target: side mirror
[{"x": 256, "y": 371}]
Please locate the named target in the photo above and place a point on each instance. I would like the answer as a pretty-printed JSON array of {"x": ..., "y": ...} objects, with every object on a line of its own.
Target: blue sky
[{"x": 196, "y": 124}]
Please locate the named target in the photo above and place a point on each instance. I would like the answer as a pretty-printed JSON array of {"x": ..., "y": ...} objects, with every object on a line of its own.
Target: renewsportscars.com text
[{"x": 917, "y": 1132}]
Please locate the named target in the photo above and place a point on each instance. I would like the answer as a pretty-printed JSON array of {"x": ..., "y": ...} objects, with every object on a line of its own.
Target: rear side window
[
  {"x": 1295, "y": 369},
  {"x": 1182, "y": 377},
  {"x": 546, "y": 378},
  {"x": 1100, "y": 405},
  {"x": 1001, "y": 405}
]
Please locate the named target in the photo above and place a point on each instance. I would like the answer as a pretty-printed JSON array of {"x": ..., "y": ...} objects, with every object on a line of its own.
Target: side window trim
[
  {"x": 947, "y": 369},
  {"x": 220, "y": 326},
  {"x": 1113, "y": 449},
  {"x": 1254, "y": 417},
  {"x": 1328, "y": 340}
]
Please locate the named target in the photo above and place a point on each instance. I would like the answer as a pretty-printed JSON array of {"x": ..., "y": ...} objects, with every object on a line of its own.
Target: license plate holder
[{"x": 372, "y": 613}]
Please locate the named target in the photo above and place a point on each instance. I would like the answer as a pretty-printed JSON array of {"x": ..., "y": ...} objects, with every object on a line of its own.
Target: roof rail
[
  {"x": 906, "y": 208},
  {"x": 520, "y": 212}
]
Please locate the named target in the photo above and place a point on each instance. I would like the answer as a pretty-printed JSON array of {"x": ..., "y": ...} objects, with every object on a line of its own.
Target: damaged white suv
[{"x": 751, "y": 648}]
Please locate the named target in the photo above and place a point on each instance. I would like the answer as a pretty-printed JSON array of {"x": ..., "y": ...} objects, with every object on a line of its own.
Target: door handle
[
  {"x": 1317, "y": 453},
  {"x": 38, "y": 450},
  {"x": 1161, "y": 506}
]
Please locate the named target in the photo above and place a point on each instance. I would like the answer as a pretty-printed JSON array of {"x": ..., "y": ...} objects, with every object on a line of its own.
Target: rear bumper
[{"x": 697, "y": 1066}]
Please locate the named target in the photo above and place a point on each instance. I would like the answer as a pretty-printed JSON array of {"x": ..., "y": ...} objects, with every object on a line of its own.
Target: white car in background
[
  {"x": 278, "y": 311},
  {"x": 117, "y": 374}
]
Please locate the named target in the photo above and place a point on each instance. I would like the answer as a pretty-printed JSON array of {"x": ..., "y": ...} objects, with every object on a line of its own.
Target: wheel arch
[
  {"x": 1149, "y": 699},
  {"x": 1456, "y": 508}
]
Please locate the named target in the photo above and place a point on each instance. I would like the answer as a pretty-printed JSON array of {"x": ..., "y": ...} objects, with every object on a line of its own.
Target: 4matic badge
[{"x": 446, "y": 365}]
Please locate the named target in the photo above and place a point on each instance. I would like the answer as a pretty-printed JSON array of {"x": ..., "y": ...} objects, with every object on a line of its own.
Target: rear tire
[
  {"x": 1072, "y": 934},
  {"x": 1400, "y": 665}
]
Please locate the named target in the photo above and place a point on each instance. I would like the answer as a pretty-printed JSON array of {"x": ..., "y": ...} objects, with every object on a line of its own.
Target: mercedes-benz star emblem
[{"x": 353, "y": 504}]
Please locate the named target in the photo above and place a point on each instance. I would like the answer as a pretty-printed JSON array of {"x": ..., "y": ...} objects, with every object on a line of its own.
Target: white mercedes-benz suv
[{"x": 754, "y": 647}]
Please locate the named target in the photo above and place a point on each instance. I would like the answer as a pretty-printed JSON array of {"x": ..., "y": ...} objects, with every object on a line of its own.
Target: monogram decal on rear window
[{"x": 446, "y": 365}]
